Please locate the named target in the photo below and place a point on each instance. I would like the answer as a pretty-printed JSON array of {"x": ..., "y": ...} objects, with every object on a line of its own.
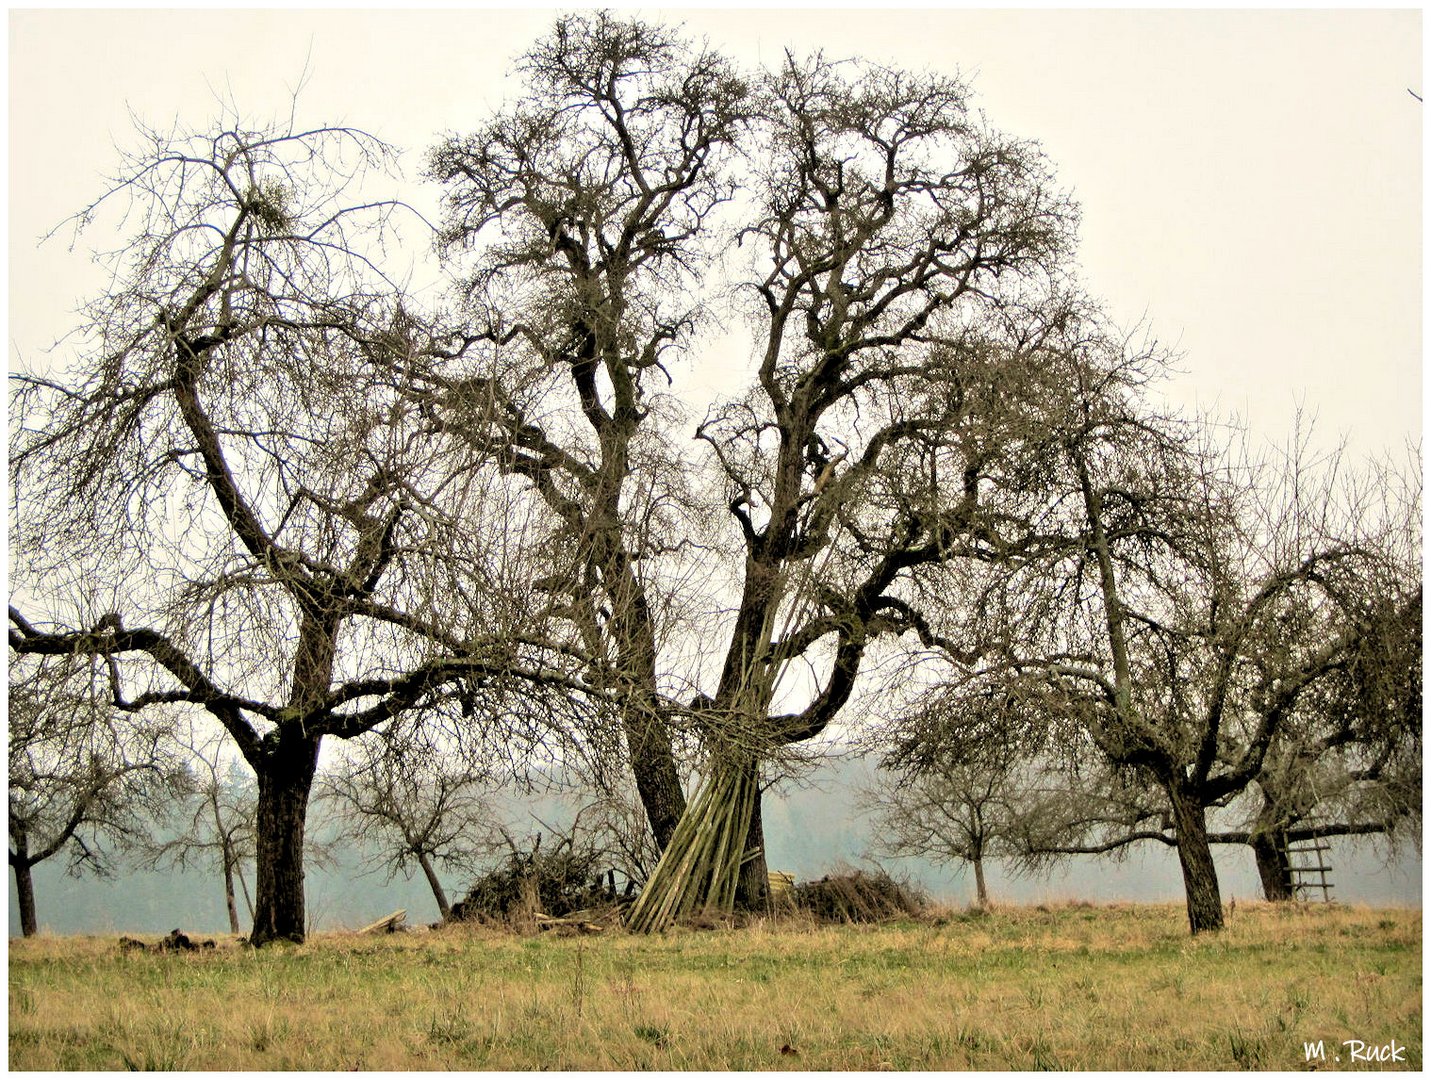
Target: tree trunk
[
  {"x": 752, "y": 893},
  {"x": 284, "y": 782},
  {"x": 25, "y": 893},
  {"x": 1273, "y": 866},
  {"x": 648, "y": 734},
  {"x": 229, "y": 900},
  {"x": 444, "y": 909},
  {"x": 1204, "y": 899},
  {"x": 980, "y": 887},
  {"x": 243, "y": 884},
  {"x": 653, "y": 764}
]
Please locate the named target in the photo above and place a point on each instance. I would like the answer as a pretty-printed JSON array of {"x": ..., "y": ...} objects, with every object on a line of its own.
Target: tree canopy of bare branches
[
  {"x": 85, "y": 780},
  {"x": 267, "y": 484},
  {"x": 223, "y": 499}
]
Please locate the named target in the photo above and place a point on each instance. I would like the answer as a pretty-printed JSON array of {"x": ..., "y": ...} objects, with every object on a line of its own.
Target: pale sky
[{"x": 1250, "y": 181}]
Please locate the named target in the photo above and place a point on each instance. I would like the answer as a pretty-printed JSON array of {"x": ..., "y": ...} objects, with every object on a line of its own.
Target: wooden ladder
[{"x": 1306, "y": 861}]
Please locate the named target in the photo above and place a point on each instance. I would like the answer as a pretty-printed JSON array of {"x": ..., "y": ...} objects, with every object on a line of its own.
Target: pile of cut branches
[
  {"x": 857, "y": 896},
  {"x": 566, "y": 878}
]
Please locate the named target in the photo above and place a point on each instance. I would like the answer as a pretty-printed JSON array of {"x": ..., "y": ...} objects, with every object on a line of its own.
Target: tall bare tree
[
  {"x": 907, "y": 264},
  {"x": 227, "y": 456},
  {"x": 586, "y": 208},
  {"x": 906, "y": 275}
]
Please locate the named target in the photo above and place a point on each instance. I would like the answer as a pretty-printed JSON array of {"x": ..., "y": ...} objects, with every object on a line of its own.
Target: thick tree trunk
[
  {"x": 284, "y": 783},
  {"x": 648, "y": 735},
  {"x": 980, "y": 887},
  {"x": 653, "y": 764},
  {"x": 1273, "y": 865},
  {"x": 752, "y": 893},
  {"x": 25, "y": 894},
  {"x": 444, "y": 909},
  {"x": 1204, "y": 899}
]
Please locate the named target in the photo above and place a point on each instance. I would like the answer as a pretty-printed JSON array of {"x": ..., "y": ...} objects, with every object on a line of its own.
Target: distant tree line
[{"x": 475, "y": 530}]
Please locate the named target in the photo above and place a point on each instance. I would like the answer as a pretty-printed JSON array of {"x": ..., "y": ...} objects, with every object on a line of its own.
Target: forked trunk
[
  {"x": 1273, "y": 866},
  {"x": 284, "y": 783},
  {"x": 1204, "y": 899}
]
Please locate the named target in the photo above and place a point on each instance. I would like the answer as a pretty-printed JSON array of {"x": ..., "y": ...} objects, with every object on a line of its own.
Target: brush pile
[
  {"x": 566, "y": 879},
  {"x": 857, "y": 896}
]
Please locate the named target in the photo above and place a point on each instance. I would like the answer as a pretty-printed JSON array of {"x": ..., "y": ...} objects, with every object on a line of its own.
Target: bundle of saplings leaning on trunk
[{"x": 700, "y": 868}]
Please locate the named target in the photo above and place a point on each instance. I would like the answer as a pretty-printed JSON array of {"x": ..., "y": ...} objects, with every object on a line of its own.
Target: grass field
[{"x": 1120, "y": 987}]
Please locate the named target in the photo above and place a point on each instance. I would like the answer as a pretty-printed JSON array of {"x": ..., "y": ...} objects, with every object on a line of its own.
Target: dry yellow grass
[{"x": 1115, "y": 987}]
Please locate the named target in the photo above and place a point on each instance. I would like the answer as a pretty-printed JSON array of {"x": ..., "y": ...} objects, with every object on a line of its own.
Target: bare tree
[
  {"x": 906, "y": 275},
  {"x": 963, "y": 780},
  {"x": 410, "y": 801},
  {"x": 1344, "y": 762},
  {"x": 586, "y": 206},
  {"x": 900, "y": 246},
  {"x": 228, "y": 461},
  {"x": 85, "y": 780},
  {"x": 1309, "y": 792},
  {"x": 1227, "y": 600},
  {"x": 219, "y": 828}
]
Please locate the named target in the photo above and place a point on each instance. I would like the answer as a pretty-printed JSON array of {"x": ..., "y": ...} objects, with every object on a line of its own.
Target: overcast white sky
[{"x": 1250, "y": 181}]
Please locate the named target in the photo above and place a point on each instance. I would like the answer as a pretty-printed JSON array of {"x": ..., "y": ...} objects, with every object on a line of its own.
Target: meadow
[{"x": 1118, "y": 987}]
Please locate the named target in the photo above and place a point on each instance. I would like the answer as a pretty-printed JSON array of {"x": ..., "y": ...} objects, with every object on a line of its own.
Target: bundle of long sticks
[{"x": 700, "y": 868}]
